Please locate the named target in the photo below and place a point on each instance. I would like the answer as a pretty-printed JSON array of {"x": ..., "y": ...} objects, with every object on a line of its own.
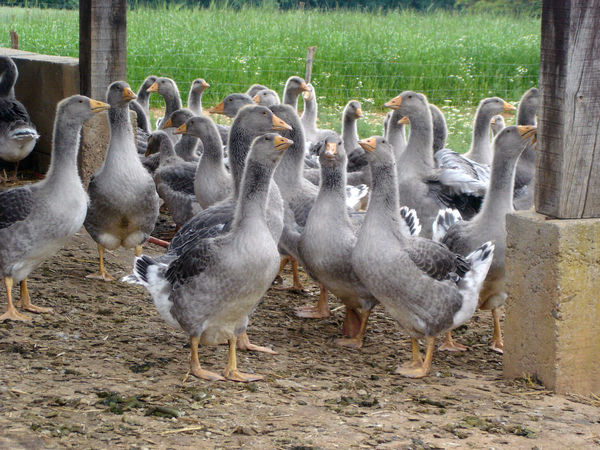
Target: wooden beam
[
  {"x": 102, "y": 45},
  {"x": 14, "y": 40},
  {"x": 568, "y": 163}
]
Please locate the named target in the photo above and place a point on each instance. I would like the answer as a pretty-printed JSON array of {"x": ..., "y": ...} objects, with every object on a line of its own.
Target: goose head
[
  {"x": 377, "y": 149},
  {"x": 163, "y": 86},
  {"x": 196, "y": 126},
  {"x": 119, "y": 94},
  {"x": 512, "y": 140},
  {"x": 199, "y": 85},
  {"x": 296, "y": 85},
  {"x": 407, "y": 102},
  {"x": 79, "y": 108},
  {"x": 254, "y": 89},
  {"x": 177, "y": 118},
  {"x": 159, "y": 141},
  {"x": 494, "y": 105},
  {"x": 331, "y": 151},
  {"x": 266, "y": 97},
  {"x": 268, "y": 148},
  {"x": 231, "y": 104},
  {"x": 353, "y": 110},
  {"x": 260, "y": 119}
]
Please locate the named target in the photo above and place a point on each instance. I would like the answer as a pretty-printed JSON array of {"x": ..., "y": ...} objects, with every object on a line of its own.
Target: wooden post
[
  {"x": 102, "y": 45},
  {"x": 310, "y": 56},
  {"x": 14, "y": 40},
  {"x": 568, "y": 163}
]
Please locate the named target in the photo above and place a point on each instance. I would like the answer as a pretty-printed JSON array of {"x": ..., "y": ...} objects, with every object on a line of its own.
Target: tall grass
[{"x": 456, "y": 59}]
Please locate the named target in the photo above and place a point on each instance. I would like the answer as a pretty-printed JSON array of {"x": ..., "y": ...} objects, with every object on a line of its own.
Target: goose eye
[
  {"x": 264, "y": 113},
  {"x": 268, "y": 138},
  {"x": 410, "y": 96}
]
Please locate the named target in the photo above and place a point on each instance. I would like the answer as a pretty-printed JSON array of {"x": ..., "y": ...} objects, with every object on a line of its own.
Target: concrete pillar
[{"x": 552, "y": 325}]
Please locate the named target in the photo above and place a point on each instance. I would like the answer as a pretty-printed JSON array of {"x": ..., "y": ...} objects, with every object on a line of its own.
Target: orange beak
[
  {"x": 153, "y": 88},
  {"x": 279, "y": 124},
  {"x": 219, "y": 109},
  {"x": 368, "y": 144},
  {"x": 181, "y": 130},
  {"x": 282, "y": 143},
  {"x": 394, "y": 103}
]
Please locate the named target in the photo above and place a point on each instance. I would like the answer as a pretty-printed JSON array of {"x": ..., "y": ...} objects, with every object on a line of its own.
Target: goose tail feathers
[{"x": 442, "y": 223}]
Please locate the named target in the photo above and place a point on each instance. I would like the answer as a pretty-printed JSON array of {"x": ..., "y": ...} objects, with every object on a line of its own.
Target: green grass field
[{"x": 454, "y": 59}]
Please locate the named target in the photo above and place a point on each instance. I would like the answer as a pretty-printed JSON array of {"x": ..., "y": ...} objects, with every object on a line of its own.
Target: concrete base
[
  {"x": 552, "y": 324},
  {"x": 43, "y": 81}
]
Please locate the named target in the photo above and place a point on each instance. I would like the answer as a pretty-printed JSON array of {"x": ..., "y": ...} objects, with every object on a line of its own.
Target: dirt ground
[{"x": 106, "y": 371}]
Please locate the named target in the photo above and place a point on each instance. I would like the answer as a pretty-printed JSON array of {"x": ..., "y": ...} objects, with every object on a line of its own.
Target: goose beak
[
  {"x": 404, "y": 121},
  {"x": 128, "y": 94},
  {"x": 331, "y": 150},
  {"x": 97, "y": 106},
  {"x": 508, "y": 107},
  {"x": 181, "y": 130},
  {"x": 527, "y": 132},
  {"x": 280, "y": 125},
  {"x": 359, "y": 112},
  {"x": 306, "y": 94},
  {"x": 205, "y": 85},
  {"x": 493, "y": 121},
  {"x": 167, "y": 124},
  {"x": 219, "y": 109},
  {"x": 256, "y": 99},
  {"x": 394, "y": 103},
  {"x": 282, "y": 143},
  {"x": 153, "y": 88},
  {"x": 304, "y": 87},
  {"x": 368, "y": 144}
]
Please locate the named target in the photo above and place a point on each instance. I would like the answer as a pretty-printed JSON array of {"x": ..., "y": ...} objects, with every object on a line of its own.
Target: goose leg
[
  {"x": 297, "y": 286},
  {"x": 320, "y": 311},
  {"x": 25, "y": 301},
  {"x": 138, "y": 250},
  {"x": 231, "y": 372},
  {"x": 195, "y": 368},
  {"x": 418, "y": 369},
  {"x": 356, "y": 341},
  {"x": 284, "y": 261},
  {"x": 243, "y": 343},
  {"x": 103, "y": 274},
  {"x": 14, "y": 176},
  {"x": 450, "y": 345},
  {"x": 11, "y": 312},
  {"x": 497, "y": 343}
]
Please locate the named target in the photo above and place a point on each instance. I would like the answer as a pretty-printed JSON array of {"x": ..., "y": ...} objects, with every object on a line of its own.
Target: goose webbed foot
[
  {"x": 450, "y": 345},
  {"x": 25, "y": 301},
  {"x": 418, "y": 368},
  {"x": 320, "y": 311},
  {"x": 231, "y": 372},
  {"x": 353, "y": 342},
  {"x": 11, "y": 312},
  {"x": 243, "y": 343},
  {"x": 195, "y": 368}
]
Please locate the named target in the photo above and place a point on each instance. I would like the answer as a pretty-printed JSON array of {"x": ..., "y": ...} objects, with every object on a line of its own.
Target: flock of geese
[{"x": 274, "y": 188}]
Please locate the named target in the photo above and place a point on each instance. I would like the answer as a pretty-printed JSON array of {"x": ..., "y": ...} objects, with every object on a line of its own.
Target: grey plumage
[
  {"x": 424, "y": 286},
  {"x": 123, "y": 200},
  {"x": 212, "y": 182},
  {"x": 174, "y": 181},
  {"x": 197, "y": 88},
  {"x": 36, "y": 220},
  {"x": 294, "y": 86},
  {"x": 212, "y": 287}
]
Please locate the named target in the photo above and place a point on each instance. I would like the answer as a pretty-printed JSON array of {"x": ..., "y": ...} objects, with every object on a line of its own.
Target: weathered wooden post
[
  {"x": 553, "y": 254},
  {"x": 102, "y": 45},
  {"x": 310, "y": 57},
  {"x": 102, "y": 60}
]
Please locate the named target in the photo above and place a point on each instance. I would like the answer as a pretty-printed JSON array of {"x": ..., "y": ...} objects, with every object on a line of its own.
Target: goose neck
[
  {"x": 384, "y": 206},
  {"x": 65, "y": 145},
  {"x": 252, "y": 199},
  {"x": 499, "y": 198},
  {"x": 186, "y": 147},
  {"x": 195, "y": 102},
  {"x": 481, "y": 150},
  {"x": 419, "y": 148},
  {"x": 349, "y": 132}
]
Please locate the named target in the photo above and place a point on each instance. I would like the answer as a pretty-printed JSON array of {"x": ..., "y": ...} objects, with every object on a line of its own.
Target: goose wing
[
  {"x": 436, "y": 260},
  {"x": 16, "y": 205}
]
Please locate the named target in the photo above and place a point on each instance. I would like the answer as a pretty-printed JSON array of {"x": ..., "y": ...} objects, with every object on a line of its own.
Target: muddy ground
[{"x": 106, "y": 371}]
